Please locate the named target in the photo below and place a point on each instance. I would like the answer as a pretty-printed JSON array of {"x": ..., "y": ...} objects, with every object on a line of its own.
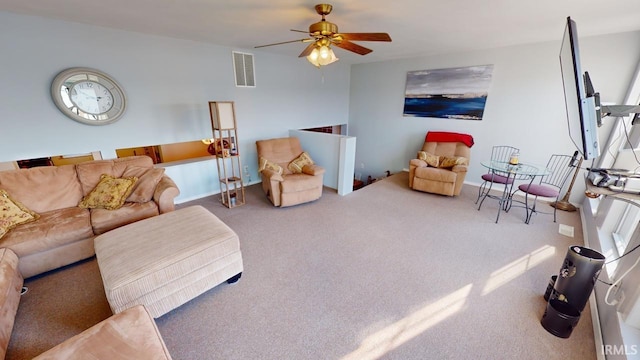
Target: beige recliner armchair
[
  {"x": 289, "y": 176},
  {"x": 441, "y": 164}
]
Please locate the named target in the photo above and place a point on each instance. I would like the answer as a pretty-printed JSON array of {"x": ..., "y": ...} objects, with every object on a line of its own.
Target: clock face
[
  {"x": 91, "y": 97},
  {"x": 88, "y": 96}
]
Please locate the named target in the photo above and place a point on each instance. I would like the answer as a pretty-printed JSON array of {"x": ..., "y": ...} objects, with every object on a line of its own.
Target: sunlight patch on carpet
[
  {"x": 518, "y": 267},
  {"x": 405, "y": 329}
]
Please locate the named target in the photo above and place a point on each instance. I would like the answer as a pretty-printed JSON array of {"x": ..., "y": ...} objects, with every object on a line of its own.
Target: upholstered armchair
[
  {"x": 441, "y": 164},
  {"x": 289, "y": 176}
]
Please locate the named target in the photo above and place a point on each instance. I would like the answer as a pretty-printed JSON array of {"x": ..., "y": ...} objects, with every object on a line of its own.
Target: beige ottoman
[{"x": 164, "y": 261}]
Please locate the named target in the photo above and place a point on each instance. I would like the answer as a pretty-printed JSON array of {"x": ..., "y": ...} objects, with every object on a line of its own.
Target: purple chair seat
[
  {"x": 498, "y": 179},
  {"x": 539, "y": 190}
]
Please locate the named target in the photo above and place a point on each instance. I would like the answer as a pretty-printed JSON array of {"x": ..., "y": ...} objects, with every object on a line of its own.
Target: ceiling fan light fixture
[
  {"x": 321, "y": 56},
  {"x": 313, "y": 57},
  {"x": 324, "y": 52}
]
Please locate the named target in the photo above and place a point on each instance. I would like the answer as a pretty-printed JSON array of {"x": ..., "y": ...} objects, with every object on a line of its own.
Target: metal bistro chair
[
  {"x": 560, "y": 168},
  {"x": 498, "y": 153}
]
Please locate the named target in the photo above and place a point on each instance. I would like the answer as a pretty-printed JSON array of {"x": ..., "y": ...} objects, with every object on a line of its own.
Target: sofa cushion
[
  {"x": 148, "y": 179},
  {"x": 436, "y": 174},
  {"x": 43, "y": 188},
  {"x": 121, "y": 164},
  {"x": 54, "y": 228},
  {"x": 296, "y": 165},
  {"x": 103, "y": 220},
  {"x": 89, "y": 172},
  {"x": 13, "y": 213},
  {"x": 110, "y": 193}
]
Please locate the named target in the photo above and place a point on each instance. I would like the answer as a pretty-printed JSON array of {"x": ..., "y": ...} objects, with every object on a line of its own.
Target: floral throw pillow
[
  {"x": 13, "y": 213},
  {"x": 266, "y": 164},
  {"x": 296, "y": 165},
  {"x": 110, "y": 193}
]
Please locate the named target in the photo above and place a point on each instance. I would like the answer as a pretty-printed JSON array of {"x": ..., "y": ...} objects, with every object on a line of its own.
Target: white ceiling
[{"x": 417, "y": 27}]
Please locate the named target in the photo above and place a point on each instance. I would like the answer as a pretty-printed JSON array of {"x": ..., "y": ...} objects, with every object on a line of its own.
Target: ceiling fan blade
[
  {"x": 302, "y": 31},
  {"x": 347, "y": 45},
  {"x": 284, "y": 42},
  {"x": 307, "y": 50},
  {"x": 365, "y": 36}
]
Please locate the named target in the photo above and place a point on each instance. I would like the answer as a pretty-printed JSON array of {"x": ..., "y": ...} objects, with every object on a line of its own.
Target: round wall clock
[{"x": 89, "y": 96}]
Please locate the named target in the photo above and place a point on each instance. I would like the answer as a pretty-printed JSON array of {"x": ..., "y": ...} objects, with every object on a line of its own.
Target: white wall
[
  {"x": 168, "y": 83},
  {"x": 525, "y": 106}
]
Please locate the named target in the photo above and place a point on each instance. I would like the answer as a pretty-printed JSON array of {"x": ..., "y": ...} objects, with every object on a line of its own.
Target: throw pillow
[
  {"x": 110, "y": 193},
  {"x": 451, "y": 161},
  {"x": 13, "y": 213},
  {"x": 430, "y": 159},
  {"x": 266, "y": 164},
  {"x": 296, "y": 165},
  {"x": 148, "y": 179}
]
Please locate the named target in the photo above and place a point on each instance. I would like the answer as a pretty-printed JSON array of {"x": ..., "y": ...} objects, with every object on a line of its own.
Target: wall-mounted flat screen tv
[{"x": 580, "y": 99}]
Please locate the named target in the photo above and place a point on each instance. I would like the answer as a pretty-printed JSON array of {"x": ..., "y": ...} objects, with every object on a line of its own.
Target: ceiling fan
[{"x": 323, "y": 34}]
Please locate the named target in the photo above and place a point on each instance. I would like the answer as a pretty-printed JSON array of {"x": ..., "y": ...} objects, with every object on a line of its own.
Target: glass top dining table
[
  {"x": 524, "y": 170},
  {"x": 521, "y": 171}
]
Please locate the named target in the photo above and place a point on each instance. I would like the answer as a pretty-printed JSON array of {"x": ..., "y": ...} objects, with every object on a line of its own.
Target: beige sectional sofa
[
  {"x": 10, "y": 286},
  {"x": 64, "y": 232}
]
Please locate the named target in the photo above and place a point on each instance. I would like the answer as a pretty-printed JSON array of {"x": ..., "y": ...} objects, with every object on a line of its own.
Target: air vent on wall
[{"x": 243, "y": 68}]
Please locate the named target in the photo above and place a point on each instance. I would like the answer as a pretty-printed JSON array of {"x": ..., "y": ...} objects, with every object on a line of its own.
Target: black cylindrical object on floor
[
  {"x": 560, "y": 318},
  {"x": 577, "y": 276}
]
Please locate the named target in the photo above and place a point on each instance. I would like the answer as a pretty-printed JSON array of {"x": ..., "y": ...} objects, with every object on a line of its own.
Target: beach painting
[{"x": 453, "y": 93}]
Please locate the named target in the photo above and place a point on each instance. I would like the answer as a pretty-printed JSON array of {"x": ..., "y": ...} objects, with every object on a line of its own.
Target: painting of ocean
[{"x": 454, "y": 93}]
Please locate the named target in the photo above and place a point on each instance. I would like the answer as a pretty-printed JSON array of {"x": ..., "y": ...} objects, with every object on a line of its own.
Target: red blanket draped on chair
[{"x": 443, "y": 136}]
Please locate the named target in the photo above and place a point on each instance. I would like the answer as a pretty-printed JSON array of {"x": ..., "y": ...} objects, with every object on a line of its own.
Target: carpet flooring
[{"x": 382, "y": 273}]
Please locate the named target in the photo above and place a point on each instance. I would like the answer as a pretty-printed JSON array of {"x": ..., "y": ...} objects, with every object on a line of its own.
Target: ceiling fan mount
[
  {"x": 323, "y": 27},
  {"x": 323, "y": 9},
  {"x": 325, "y": 33}
]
